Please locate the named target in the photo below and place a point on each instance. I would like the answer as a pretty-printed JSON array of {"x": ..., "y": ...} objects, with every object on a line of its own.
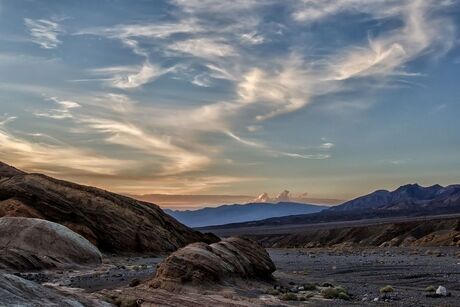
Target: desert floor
[{"x": 362, "y": 271}]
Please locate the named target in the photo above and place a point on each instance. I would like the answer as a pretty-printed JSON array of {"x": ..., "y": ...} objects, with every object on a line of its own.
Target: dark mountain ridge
[
  {"x": 241, "y": 213},
  {"x": 409, "y": 200}
]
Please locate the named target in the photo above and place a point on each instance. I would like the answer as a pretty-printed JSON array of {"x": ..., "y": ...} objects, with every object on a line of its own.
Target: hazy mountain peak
[{"x": 236, "y": 213}]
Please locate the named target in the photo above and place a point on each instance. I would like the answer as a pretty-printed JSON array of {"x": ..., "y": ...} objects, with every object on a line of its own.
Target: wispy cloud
[
  {"x": 203, "y": 47},
  {"x": 274, "y": 152},
  {"x": 44, "y": 32},
  {"x": 147, "y": 73},
  {"x": 33, "y": 155},
  {"x": 64, "y": 110},
  {"x": 248, "y": 70}
]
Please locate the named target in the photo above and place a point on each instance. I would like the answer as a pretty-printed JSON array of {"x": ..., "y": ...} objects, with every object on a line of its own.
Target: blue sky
[{"x": 333, "y": 98}]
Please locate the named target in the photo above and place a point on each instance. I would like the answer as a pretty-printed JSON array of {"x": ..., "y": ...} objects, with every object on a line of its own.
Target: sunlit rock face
[
  {"x": 201, "y": 264},
  {"x": 114, "y": 223},
  {"x": 33, "y": 244}
]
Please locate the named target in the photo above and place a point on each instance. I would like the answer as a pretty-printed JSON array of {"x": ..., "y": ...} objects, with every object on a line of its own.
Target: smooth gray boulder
[
  {"x": 16, "y": 291},
  {"x": 34, "y": 244}
]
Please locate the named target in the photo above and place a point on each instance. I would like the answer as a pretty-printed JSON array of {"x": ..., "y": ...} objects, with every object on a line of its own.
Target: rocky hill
[
  {"x": 429, "y": 232},
  {"x": 114, "y": 223}
]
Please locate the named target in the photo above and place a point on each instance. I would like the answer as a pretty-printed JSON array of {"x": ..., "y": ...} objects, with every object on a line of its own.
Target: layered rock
[
  {"x": 430, "y": 232},
  {"x": 203, "y": 264},
  {"x": 33, "y": 244},
  {"x": 114, "y": 223}
]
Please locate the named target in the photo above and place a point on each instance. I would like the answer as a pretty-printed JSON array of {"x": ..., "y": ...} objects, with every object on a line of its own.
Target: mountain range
[
  {"x": 241, "y": 213},
  {"x": 408, "y": 201}
]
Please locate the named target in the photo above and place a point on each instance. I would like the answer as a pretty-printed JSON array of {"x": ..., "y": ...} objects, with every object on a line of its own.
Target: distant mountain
[
  {"x": 410, "y": 196},
  {"x": 241, "y": 213},
  {"x": 194, "y": 202},
  {"x": 406, "y": 201}
]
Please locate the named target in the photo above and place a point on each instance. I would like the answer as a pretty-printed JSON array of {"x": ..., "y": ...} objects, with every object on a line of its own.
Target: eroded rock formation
[
  {"x": 203, "y": 264},
  {"x": 114, "y": 223}
]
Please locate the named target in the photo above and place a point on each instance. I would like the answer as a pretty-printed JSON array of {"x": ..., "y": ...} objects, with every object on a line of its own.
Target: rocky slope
[
  {"x": 432, "y": 232},
  {"x": 203, "y": 264},
  {"x": 112, "y": 222},
  {"x": 410, "y": 196},
  {"x": 34, "y": 244}
]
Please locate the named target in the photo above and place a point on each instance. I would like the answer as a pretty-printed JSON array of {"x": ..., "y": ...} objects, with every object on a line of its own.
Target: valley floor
[{"x": 363, "y": 271}]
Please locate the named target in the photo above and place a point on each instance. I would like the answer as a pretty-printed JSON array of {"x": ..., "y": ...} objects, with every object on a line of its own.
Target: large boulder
[
  {"x": 33, "y": 244},
  {"x": 114, "y": 223},
  {"x": 203, "y": 264},
  {"x": 15, "y": 291}
]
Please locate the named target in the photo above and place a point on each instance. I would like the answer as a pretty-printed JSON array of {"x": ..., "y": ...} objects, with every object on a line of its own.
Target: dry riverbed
[{"x": 362, "y": 272}]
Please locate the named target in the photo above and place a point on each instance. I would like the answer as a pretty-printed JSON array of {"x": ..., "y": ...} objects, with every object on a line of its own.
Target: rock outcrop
[
  {"x": 429, "y": 232},
  {"x": 9, "y": 171},
  {"x": 15, "y": 291},
  {"x": 33, "y": 244},
  {"x": 114, "y": 223},
  {"x": 203, "y": 264}
]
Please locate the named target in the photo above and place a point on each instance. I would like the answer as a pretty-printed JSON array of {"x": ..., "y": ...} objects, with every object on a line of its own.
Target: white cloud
[
  {"x": 6, "y": 119},
  {"x": 33, "y": 155},
  {"x": 310, "y": 157},
  {"x": 177, "y": 159},
  {"x": 387, "y": 54},
  {"x": 316, "y": 10},
  {"x": 216, "y": 6},
  {"x": 252, "y": 38},
  {"x": 327, "y": 145},
  {"x": 128, "y": 77},
  {"x": 64, "y": 110},
  {"x": 130, "y": 31},
  {"x": 243, "y": 141},
  {"x": 203, "y": 48},
  {"x": 275, "y": 152},
  {"x": 44, "y": 32}
]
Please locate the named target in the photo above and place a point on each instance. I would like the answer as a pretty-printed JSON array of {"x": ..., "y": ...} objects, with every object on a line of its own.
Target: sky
[{"x": 326, "y": 98}]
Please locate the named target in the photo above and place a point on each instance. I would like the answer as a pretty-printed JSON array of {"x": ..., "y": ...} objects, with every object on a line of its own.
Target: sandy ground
[{"x": 362, "y": 271}]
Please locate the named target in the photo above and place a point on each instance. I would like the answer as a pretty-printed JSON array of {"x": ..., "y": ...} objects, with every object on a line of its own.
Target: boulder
[
  {"x": 113, "y": 222},
  {"x": 15, "y": 291},
  {"x": 34, "y": 244},
  {"x": 442, "y": 291},
  {"x": 203, "y": 264}
]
